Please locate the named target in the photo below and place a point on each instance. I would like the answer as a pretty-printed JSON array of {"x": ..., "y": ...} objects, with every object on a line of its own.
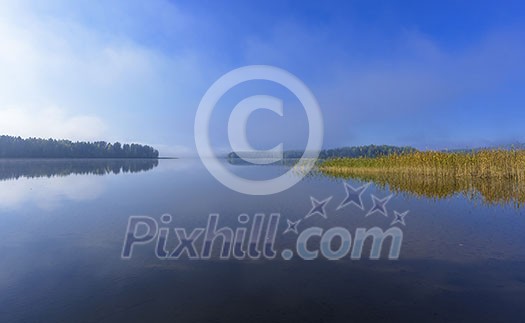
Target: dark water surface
[{"x": 62, "y": 225}]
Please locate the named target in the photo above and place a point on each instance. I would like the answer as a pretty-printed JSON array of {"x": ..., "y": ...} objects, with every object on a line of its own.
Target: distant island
[
  {"x": 370, "y": 151},
  {"x": 17, "y": 147}
]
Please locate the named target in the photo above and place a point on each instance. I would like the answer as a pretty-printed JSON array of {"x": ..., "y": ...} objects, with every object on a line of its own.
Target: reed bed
[
  {"x": 495, "y": 176},
  {"x": 485, "y": 164}
]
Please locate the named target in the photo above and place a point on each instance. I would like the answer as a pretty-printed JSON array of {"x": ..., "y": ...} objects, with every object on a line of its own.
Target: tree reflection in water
[{"x": 32, "y": 168}]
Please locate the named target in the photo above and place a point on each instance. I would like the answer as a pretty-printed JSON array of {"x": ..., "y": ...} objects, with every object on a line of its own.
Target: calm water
[{"x": 62, "y": 225}]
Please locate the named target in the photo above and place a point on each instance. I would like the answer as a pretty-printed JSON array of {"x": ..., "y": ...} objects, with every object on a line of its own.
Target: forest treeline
[{"x": 17, "y": 147}]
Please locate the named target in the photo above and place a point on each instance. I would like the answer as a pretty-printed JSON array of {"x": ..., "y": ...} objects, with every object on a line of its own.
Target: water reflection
[
  {"x": 488, "y": 191},
  {"x": 33, "y": 168},
  {"x": 62, "y": 262},
  {"x": 46, "y": 183}
]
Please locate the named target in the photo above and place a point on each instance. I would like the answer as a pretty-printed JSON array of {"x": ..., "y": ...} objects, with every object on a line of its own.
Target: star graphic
[
  {"x": 292, "y": 226},
  {"x": 399, "y": 218},
  {"x": 318, "y": 207},
  {"x": 353, "y": 196},
  {"x": 379, "y": 205}
]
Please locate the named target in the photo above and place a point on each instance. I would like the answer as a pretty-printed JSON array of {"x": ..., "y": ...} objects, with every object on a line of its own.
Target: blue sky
[{"x": 441, "y": 74}]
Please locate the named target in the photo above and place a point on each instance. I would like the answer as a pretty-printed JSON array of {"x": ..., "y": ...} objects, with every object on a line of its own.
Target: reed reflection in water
[{"x": 490, "y": 191}]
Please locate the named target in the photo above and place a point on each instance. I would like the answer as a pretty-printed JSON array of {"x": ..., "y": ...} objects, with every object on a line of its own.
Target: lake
[{"x": 63, "y": 225}]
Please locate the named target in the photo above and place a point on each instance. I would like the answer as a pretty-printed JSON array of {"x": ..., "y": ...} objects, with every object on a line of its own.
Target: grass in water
[{"x": 497, "y": 176}]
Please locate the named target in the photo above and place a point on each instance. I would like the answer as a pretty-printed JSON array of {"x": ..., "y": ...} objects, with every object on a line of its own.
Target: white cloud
[
  {"x": 100, "y": 64},
  {"x": 49, "y": 57},
  {"x": 50, "y": 123}
]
